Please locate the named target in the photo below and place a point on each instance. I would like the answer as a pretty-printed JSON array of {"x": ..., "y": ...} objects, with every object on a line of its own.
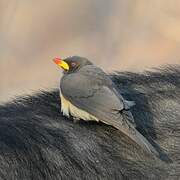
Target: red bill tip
[{"x": 57, "y": 60}]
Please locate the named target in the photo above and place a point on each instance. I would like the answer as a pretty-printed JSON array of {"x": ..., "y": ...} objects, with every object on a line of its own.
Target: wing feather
[{"x": 92, "y": 91}]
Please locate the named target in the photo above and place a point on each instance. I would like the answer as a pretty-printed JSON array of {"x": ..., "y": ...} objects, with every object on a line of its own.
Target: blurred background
[{"x": 116, "y": 35}]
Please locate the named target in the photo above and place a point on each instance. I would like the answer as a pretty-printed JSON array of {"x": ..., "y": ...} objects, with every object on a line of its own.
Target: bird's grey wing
[
  {"x": 89, "y": 82},
  {"x": 95, "y": 97},
  {"x": 102, "y": 79}
]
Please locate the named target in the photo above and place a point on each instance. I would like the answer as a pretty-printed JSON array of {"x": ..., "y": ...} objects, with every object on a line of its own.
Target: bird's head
[{"x": 72, "y": 64}]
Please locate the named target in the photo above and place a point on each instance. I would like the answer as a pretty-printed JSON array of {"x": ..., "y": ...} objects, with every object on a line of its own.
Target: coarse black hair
[{"x": 37, "y": 142}]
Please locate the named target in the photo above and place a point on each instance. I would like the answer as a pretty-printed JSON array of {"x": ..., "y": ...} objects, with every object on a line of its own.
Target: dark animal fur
[{"x": 37, "y": 142}]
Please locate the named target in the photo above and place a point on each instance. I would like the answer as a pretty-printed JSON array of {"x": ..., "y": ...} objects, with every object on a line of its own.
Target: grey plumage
[{"x": 90, "y": 89}]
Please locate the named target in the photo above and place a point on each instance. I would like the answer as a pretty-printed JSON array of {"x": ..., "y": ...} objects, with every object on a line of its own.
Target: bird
[{"x": 88, "y": 93}]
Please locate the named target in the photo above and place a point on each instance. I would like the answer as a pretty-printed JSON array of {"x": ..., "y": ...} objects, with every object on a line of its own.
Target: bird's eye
[{"x": 73, "y": 64}]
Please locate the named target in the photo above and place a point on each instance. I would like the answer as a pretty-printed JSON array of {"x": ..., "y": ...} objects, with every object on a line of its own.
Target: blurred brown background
[{"x": 117, "y": 35}]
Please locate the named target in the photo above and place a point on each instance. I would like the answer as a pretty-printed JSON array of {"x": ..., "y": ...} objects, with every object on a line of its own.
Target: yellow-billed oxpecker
[{"x": 88, "y": 93}]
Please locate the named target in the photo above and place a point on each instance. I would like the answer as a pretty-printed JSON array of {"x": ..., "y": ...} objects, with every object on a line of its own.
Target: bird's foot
[{"x": 75, "y": 119}]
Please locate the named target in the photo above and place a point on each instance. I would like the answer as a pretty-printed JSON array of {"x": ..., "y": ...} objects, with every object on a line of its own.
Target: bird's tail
[{"x": 129, "y": 130}]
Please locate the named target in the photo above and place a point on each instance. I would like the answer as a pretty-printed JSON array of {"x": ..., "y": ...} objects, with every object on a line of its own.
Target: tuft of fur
[{"x": 37, "y": 142}]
